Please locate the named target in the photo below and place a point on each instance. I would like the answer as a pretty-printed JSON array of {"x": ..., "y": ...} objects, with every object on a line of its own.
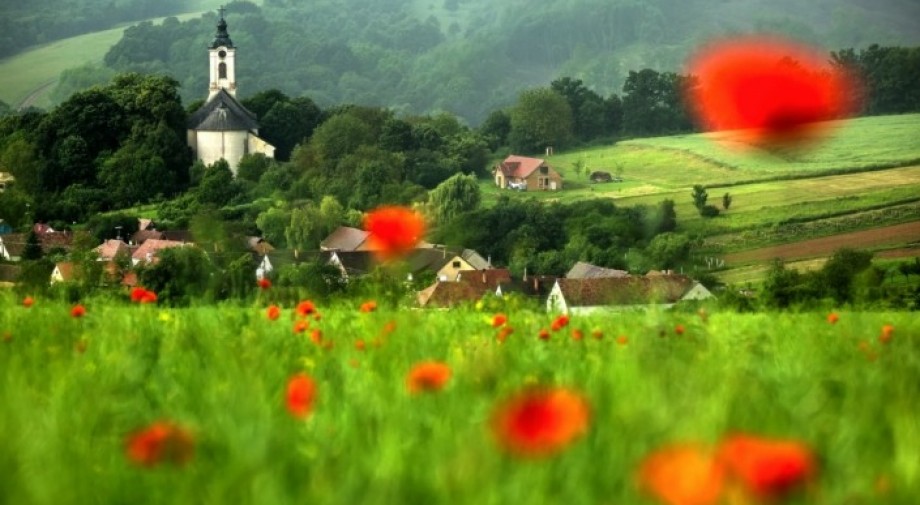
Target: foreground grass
[{"x": 222, "y": 370}]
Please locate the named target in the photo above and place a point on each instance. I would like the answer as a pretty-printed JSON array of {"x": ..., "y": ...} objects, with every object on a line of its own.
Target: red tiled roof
[
  {"x": 489, "y": 279},
  {"x": 448, "y": 294},
  {"x": 582, "y": 270},
  {"x": 111, "y": 248},
  {"x": 152, "y": 246},
  {"x": 624, "y": 290},
  {"x": 142, "y": 236},
  {"x": 519, "y": 166}
]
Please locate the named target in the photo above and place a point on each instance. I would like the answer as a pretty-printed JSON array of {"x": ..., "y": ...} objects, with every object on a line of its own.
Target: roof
[
  {"x": 533, "y": 285},
  {"x": 624, "y": 290},
  {"x": 488, "y": 279},
  {"x": 15, "y": 243},
  {"x": 223, "y": 113},
  {"x": 447, "y": 294},
  {"x": 582, "y": 270},
  {"x": 355, "y": 262},
  {"x": 66, "y": 269},
  {"x": 280, "y": 258},
  {"x": 178, "y": 235},
  {"x": 111, "y": 248},
  {"x": 152, "y": 246},
  {"x": 519, "y": 166},
  {"x": 142, "y": 236},
  {"x": 9, "y": 273},
  {"x": 221, "y": 38},
  {"x": 259, "y": 245},
  {"x": 344, "y": 238},
  {"x": 475, "y": 259},
  {"x": 144, "y": 223}
]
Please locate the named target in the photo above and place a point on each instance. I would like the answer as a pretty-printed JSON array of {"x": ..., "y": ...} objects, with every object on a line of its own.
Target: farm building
[
  {"x": 526, "y": 174},
  {"x": 583, "y": 296}
]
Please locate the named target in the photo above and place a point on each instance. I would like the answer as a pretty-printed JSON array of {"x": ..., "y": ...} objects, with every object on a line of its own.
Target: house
[
  {"x": 530, "y": 286},
  {"x": 529, "y": 174},
  {"x": 582, "y": 270},
  {"x": 275, "y": 259},
  {"x": 446, "y": 263},
  {"x": 489, "y": 279},
  {"x": 345, "y": 238},
  {"x": 67, "y": 271},
  {"x": 8, "y": 252},
  {"x": 110, "y": 249},
  {"x": 147, "y": 251},
  {"x": 141, "y": 236},
  {"x": 449, "y": 294},
  {"x": 352, "y": 263},
  {"x": 622, "y": 293},
  {"x": 9, "y": 274},
  {"x": 64, "y": 272},
  {"x": 12, "y": 245}
]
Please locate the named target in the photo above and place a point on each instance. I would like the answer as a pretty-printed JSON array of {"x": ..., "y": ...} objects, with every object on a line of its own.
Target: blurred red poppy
[
  {"x": 306, "y": 308},
  {"x": 394, "y": 231},
  {"x": 682, "y": 475},
  {"x": 300, "y": 395},
  {"x": 498, "y": 320},
  {"x": 162, "y": 441},
  {"x": 544, "y": 334},
  {"x": 427, "y": 376},
  {"x": 137, "y": 293},
  {"x": 316, "y": 336},
  {"x": 368, "y": 306},
  {"x": 622, "y": 340},
  {"x": 577, "y": 334},
  {"x": 264, "y": 283},
  {"x": 768, "y": 468},
  {"x": 78, "y": 311},
  {"x": 27, "y": 302},
  {"x": 887, "y": 334},
  {"x": 301, "y": 326},
  {"x": 833, "y": 318},
  {"x": 273, "y": 312},
  {"x": 679, "y": 329},
  {"x": 504, "y": 332},
  {"x": 560, "y": 322},
  {"x": 775, "y": 92},
  {"x": 149, "y": 297},
  {"x": 540, "y": 422}
]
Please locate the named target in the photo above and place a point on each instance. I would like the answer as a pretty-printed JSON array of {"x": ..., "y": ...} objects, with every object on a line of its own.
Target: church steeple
[{"x": 222, "y": 60}]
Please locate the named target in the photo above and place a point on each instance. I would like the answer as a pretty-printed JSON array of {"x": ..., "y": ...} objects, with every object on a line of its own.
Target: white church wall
[
  {"x": 258, "y": 145},
  {"x": 229, "y": 145}
]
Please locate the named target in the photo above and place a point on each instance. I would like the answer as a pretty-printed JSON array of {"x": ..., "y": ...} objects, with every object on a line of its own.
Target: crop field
[{"x": 214, "y": 386}]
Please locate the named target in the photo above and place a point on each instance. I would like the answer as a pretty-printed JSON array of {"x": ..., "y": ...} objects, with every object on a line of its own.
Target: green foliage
[
  {"x": 541, "y": 118},
  {"x": 668, "y": 250},
  {"x": 836, "y": 277},
  {"x": 108, "y": 226},
  {"x": 310, "y": 224},
  {"x": 179, "y": 276},
  {"x": 652, "y": 103},
  {"x": 699, "y": 196},
  {"x": 455, "y": 196},
  {"x": 33, "y": 249},
  {"x": 709, "y": 211},
  {"x": 217, "y": 186},
  {"x": 726, "y": 201}
]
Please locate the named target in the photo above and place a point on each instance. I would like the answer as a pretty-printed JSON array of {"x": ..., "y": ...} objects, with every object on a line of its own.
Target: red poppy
[
  {"x": 78, "y": 311},
  {"x": 679, "y": 329},
  {"x": 316, "y": 336},
  {"x": 264, "y": 283},
  {"x": 360, "y": 345},
  {"x": 776, "y": 91},
  {"x": 540, "y": 422},
  {"x": 368, "y": 306},
  {"x": 149, "y": 297},
  {"x": 833, "y": 318},
  {"x": 544, "y": 334},
  {"x": 137, "y": 293},
  {"x": 301, "y": 326},
  {"x": 560, "y": 322},
  {"x": 577, "y": 334},
  {"x": 768, "y": 468},
  {"x": 504, "y": 332},
  {"x": 300, "y": 396},
  {"x": 160, "y": 442},
  {"x": 597, "y": 334},
  {"x": 622, "y": 340},
  {"x": 682, "y": 475},
  {"x": 427, "y": 376},
  {"x": 27, "y": 302},
  {"x": 273, "y": 312},
  {"x": 498, "y": 320},
  {"x": 306, "y": 308},
  {"x": 394, "y": 231},
  {"x": 887, "y": 333}
]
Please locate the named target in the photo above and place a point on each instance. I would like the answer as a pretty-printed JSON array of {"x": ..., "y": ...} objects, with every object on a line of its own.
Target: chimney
[
  {"x": 483, "y": 276},
  {"x": 525, "y": 275},
  {"x": 536, "y": 284}
]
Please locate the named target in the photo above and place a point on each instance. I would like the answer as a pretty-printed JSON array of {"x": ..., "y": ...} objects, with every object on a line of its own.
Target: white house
[
  {"x": 222, "y": 128},
  {"x": 581, "y": 296}
]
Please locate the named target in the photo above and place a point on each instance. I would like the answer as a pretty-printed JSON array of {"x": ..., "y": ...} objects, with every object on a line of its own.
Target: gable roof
[
  {"x": 344, "y": 238},
  {"x": 151, "y": 247},
  {"x": 355, "y": 262},
  {"x": 624, "y": 290},
  {"x": 532, "y": 285},
  {"x": 519, "y": 166},
  {"x": 66, "y": 270},
  {"x": 447, "y": 294},
  {"x": 223, "y": 113},
  {"x": 111, "y": 248},
  {"x": 582, "y": 270},
  {"x": 142, "y": 236}
]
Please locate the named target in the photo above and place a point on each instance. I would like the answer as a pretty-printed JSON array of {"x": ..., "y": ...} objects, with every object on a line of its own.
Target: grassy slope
[
  {"x": 24, "y": 73},
  {"x": 221, "y": 371}
]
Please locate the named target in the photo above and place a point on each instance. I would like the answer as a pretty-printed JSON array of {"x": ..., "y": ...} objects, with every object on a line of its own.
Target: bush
[{"x": 709, "y": 211}]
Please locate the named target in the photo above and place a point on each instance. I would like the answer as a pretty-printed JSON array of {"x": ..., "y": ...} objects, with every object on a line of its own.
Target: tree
[
  {"x": 726, "y": 201},
  {"x": 836, "y": 276},
  {"x": 33, "y": 247},
  {"x": 252, "y": 166},
  {"x": 541, "y": 118},
  {"x": 665, "y": 219},
  {"x": 699, "y": 197},
  {"x": 454, "y": 196},
  {"x": 496, "y": 128},
  {"x": 580, "y": 167},
  {"x": 669, "y": 249},
  {"x": 273, "y": 222},
  {"x": 180, "y": 275},
  {"x": 217, "y": 186}
]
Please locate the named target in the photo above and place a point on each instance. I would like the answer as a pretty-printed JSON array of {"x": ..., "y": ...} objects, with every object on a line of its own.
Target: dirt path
[
  {"x": 35, "y": 94},
  {"x": 889, "y": 235}
]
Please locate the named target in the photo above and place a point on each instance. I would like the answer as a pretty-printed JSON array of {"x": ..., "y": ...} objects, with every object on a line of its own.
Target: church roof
[
  {"x": 221, "y": 38},
  {"x": 223, "y": 113}
]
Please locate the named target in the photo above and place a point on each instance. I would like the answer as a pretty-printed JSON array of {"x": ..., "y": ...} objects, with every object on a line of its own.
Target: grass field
[
  {"x": 74, "y": 389},
  {"x": 37, "y": 69}
]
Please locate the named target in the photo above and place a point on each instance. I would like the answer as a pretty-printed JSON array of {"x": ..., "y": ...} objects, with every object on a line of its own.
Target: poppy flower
[
  {"x": 393, "y": 231},
  {"x": 577, "y": 334},
  {"x": 273, "y": 312},
  {"x": 597, "y": 334},
  {"x": 27, "y": 302},
  {"x": 560, "y": 322},
  {"x": 622, "y": 340},
  {"x": 360, "y": 345},
  {"x": 316, "y": 336},
  {"x": 544, "y": 334},
  {"x": 679, "y": 329},
  {"x": 148, "y": 297},
  {"x": 504, "y": 333},
  {"x": 540, "y": 422},
  {"x": 427, "y": 376},
  {"x": 368, "y": 306},
  {"x": 78, "y": 311},
  {"x": 682, "y": 475},
  {"x": 887, "y": 333},
  {"x": 162, "y": 441},
  {"x": 833, "y": 318},
  {"x": 264, "y": 283},
  {"x": 775, "y": 91},
  {"x": 767, "y": 468},
  {"x": 300, "y": 395},
  {"x": 137, "y": 293},
  {"x": 498, "y": 320},
  {"x": 306, "y": 308},
  {"x": 301, "y": 326}
]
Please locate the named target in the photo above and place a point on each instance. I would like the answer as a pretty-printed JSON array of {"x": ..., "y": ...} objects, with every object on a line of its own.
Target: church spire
[{"x": 222, "y": 60}]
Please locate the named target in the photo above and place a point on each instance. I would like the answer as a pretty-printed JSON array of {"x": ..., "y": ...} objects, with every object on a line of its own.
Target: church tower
[
  {"x": 223, "y": 60},
  {"x": 223, "y": 128}
]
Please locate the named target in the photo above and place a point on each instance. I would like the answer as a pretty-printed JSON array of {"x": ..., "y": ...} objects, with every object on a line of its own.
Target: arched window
[{"x": 222, "y": 71}]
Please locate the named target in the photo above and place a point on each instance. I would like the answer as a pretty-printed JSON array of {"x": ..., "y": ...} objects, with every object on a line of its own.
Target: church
[{"x": 222, "y": 127}]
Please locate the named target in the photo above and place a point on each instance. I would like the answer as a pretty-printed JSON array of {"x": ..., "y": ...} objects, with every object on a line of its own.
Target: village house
[
  {"x": 450, "y": 294},
  {"x": 526, "y": 174},
  {"x": 581, "y": 296},
  {"x": 583, "y": 270},
  {"x": 148, "y": 251}
]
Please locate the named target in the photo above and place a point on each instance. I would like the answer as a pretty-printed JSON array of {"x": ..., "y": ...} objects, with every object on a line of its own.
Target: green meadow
[{"x": 72, "y": 390}]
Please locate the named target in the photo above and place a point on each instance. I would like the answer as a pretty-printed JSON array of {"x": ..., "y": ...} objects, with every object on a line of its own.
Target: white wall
[{"x": 230, "y": 146}]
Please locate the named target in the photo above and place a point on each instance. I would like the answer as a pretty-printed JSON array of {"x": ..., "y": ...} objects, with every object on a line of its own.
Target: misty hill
[{"x": 470, "y": 57}]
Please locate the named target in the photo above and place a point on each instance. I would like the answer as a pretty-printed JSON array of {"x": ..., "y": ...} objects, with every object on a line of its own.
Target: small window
[
  {"x": 222, "y": 71},
  {"x": 456, "y": 264},
  {"x": 222, "y": 54},
  {"x": 544, "y": 169}
]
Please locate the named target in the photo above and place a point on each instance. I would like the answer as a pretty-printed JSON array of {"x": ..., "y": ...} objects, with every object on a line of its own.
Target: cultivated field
[{"x": 73, "y": 390}]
